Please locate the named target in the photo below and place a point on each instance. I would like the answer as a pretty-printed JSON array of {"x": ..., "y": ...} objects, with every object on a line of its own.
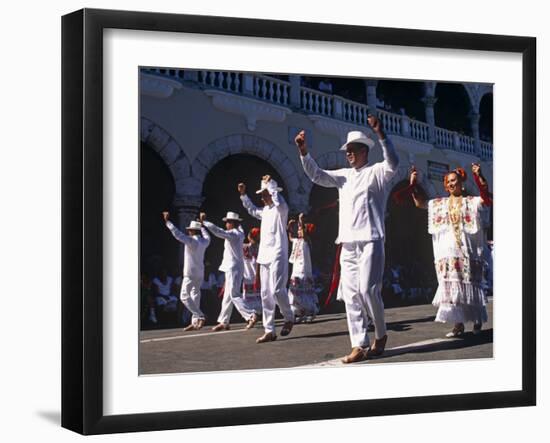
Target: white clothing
[
  {"x": 274, "y": 240},
  {"x": 190, "y": 296},
  {"x": 233, "y": 267},
  {"x": 362, "y": 194},
  {"x": 460, "y": 267},
  {"x": 193, "y": 268},
  {"x": 273, "y": 278},
  {"x": 164, "y": 288},
  {"x": 300, "y": 257},
  {"x": 362, "y": 268},
  {"x": 251, "y": 291},
  {"x": 232, "y": 246},
  {"x": 195, "y": 246},
  {"x": 232, "y": 296},
  {"x": 301, "y": 292},
  {"x": 272, "y": 257}
]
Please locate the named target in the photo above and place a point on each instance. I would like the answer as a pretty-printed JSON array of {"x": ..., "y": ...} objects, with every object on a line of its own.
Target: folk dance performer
[
  {"x": 233, "y": 267},
  {"x": 456, "y": 225},
  {"x": 251, "y": 277},
  {"x": 363, "y": 191},
  {"x": 193, "y": 268},
  {"x": 272, "y": 255},
  {"x": 301, "y": 292}
]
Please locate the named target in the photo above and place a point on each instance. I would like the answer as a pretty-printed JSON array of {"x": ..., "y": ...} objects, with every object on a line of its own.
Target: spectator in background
[
  {"x": 325, "y": 86},
  {"x": 147, "y": 298},
  {"x": 162, "y": 290}
]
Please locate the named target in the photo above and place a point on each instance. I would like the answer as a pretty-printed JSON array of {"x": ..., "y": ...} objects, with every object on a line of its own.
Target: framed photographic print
[{"x": 260, "y": 216}]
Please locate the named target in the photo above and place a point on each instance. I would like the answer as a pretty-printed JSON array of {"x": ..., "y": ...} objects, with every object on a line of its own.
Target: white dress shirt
[
  {"x": 195, "y": 246},
  {"x": 233, "y": 256},
  {"x": 362, "y": 194},
  {"x": 273, "y": 240}
]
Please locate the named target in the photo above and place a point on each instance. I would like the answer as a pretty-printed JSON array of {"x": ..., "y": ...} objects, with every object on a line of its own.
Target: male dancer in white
[
  {"x": 193, "y": 268},
  {"x": 272, "y": 255},
  {"x": 363, "y": 193},
  {"x": 233, "y": 267}
]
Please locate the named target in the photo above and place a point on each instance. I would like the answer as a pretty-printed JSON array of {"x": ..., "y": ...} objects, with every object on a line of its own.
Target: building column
[
  {"x": 187, "y": 209},
  {"x": 429, "y": 103},
  {"x": 474, "y": 122},
  {"x": 295, "y": 90},
  {"x": 371, "y": 96}
]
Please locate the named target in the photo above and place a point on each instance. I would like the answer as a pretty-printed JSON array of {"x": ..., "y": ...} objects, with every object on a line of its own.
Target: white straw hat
[
  {"x": 194, "y": 225},
  {"x": 271, "y": 187},
  {"x": 232, "y": 216},
  {"x": 357, "y": 137}
]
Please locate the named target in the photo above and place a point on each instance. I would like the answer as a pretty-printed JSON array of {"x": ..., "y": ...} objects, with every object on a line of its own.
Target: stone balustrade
[
  {"x": 316, "y": 102},
  {"x": 269, "y": 89}
]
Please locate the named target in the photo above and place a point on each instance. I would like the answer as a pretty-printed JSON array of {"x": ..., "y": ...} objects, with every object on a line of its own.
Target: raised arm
[
  {"x": 252, "y": 209},
  {"x": 482, "y": 185},
  {"x": 418, "y": 197},
  {"x": 178, "y": 235},
  {"x": 322, "y": 177},
  {"x": 388, "y": 151},
  {"x": 219, "y": 232}
]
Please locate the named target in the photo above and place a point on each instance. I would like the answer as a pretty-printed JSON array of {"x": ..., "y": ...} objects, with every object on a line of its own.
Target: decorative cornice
[
  {"x": 157, "y": 86},
  {"x": 461, "y": 157},
  {"x": 252, "y": 110},
  {"x": 411, "y": 145},
  {"x": 340, "y": 129}
]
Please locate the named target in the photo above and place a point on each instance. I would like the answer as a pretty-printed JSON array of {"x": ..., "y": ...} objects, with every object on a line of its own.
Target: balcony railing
[{"x": 312, "y": 101}]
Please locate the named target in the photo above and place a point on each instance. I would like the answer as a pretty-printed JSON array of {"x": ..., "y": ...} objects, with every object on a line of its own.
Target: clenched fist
[
  {"x": 241, "y": 187},
  {"x": 300, "y": 141}
]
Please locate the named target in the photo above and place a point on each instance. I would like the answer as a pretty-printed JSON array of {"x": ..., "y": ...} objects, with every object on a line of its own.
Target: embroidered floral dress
[
  {"x": 303, "y": 299},
  {"x": 458, "y": 242},
  {"x": 251, "y": 283}
]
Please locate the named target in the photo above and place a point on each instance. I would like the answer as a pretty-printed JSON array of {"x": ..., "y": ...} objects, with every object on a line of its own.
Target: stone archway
[
  {"x": 253, "y": 145},
  {"x": 169, "y": 150}
]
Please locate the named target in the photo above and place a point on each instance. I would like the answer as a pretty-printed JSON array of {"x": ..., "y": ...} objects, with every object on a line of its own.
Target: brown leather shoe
[
  {"x": 287, "y": 327},
  {"x": 221, "y": 327},
  {"x": 190, "y": 327},
  {"x": 268, "y": 336},
  {"x": 252, "y": 321},
  {"x": 356, "y": 355},
  {"x": 379, "y": 345}
]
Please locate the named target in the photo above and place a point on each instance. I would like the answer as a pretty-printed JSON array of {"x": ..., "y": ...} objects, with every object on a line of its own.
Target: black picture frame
[{"x": 82, "y": 218}]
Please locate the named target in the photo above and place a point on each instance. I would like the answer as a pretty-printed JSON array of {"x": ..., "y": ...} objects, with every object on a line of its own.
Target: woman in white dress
[
  {"x": 303, "y": 298},
  {"x": 455, "y": 223},
  {"x": 251, "y": 277}
]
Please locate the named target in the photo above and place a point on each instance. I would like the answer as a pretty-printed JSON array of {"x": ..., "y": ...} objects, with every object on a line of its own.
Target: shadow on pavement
[{"x": 467, "y": 341}]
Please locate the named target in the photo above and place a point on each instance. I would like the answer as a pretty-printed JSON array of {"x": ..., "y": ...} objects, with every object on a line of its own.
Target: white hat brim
[
  {"x": 259, "y": 191},
  {"x": 363, "y": 140},
  {"x": 232, "y": 219}
]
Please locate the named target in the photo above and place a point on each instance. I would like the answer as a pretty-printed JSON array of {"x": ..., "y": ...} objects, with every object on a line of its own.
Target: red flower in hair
[
  {"x": 310, "y": 228},
  {"x": 255, "y": 233}
]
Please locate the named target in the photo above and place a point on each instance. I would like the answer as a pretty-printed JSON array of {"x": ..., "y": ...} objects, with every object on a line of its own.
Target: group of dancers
[{"x": 455, "y": 223}]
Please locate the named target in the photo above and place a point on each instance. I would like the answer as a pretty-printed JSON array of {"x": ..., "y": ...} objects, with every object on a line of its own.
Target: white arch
[
  {"x": 247, "y": 144},
  {"x": 169, "y": 150}
]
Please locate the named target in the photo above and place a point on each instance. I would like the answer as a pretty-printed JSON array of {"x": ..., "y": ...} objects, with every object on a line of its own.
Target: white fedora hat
[
  {"x": 232, "y": 216},
  {"x": 194, "y": 225},
  {"x": 357, "y": 137},
  {"x": 271, "y": 187}
]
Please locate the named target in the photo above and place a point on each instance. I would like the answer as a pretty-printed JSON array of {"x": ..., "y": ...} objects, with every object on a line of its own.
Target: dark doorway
[
  {"x": 157, "y": 246},
  {"x": 452, "y": 108},
  {"x": 408, "y": 249},
  {"x": 221, "y": 195}
]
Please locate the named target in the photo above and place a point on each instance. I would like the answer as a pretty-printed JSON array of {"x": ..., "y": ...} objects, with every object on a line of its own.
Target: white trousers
[
  {"x": 362, "y": 269},
  {"x": 273, "y": 279},
  {"x": 190, "y": 296},
  {"x": 232, "y": 295}
]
